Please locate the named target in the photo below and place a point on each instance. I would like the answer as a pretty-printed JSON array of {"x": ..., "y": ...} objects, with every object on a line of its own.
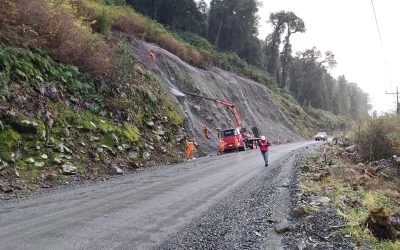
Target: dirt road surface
[{"x": 230, "y": 197}]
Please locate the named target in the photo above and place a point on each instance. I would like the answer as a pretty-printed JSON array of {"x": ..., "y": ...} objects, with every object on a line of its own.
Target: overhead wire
[{"x": 383, "y": 49}]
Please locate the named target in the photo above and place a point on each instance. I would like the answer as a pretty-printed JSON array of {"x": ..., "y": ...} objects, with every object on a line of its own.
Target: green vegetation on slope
[
  {"x": 53, "y": 115},
  {"x": 189, "y": 47},
  {"x": 379, "y": 137},
  {"x": 360, "y": 181}
]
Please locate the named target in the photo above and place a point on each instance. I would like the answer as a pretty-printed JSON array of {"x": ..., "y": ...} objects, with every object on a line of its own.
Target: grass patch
[
  {"x": 131, "y": 132},
  {"x": 353, "y": 194}
]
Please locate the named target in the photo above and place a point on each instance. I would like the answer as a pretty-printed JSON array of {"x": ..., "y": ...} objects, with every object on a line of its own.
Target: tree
[
  {"x": 252, "y": 52},
  {"x": 294, "y": 24},
  {"x": 233, "y": 24},
  {"x": 273, "y": 42},
  {"x": 278, "y": 63},
  {"x": 182, "y": 15},
  {"x": 311, "y": 83}
]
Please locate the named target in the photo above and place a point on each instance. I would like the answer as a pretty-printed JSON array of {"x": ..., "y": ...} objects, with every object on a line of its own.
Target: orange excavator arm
[
  {"x": 225, "y": 103},
  {"x": 233, "y": 109}
]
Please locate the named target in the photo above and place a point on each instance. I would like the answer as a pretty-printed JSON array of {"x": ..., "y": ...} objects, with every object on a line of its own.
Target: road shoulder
[{"x": 247, "y": 218}]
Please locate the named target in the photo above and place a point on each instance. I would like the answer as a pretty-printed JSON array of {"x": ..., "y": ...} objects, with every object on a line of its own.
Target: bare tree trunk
[
  {"x": 221, "y": 24},
  {"x": 285, "y": 63},
  {"x": 156, "y": 5}
]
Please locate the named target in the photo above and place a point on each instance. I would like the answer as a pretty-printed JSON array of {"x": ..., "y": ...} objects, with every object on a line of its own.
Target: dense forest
[{"x": 232, "y": 26}]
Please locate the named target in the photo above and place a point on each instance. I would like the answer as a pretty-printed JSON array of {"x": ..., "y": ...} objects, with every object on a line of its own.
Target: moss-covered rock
[
  {"x": 174, "y": 117},
  {"x": 83, "y": 121},
  {"x": 8, "y": 139},
  {"x": 26, "y": 126},
  {"x": 131, "y": 132}
]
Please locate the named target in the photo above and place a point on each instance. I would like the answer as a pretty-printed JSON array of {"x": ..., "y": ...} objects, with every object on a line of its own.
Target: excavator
[{"x": 235, "y": 138}]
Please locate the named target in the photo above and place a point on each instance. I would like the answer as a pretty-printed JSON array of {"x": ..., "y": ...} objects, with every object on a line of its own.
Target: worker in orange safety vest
[
  {"x": 205, "y": 130},
  {"x": 222, "y": 144},
  {"x": 237, "y": 144},
  {"x": 152, "y": 55},
  {"x": 189, "y": 149}
]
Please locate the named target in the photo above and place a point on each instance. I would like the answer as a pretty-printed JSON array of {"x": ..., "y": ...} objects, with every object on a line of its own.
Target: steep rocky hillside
[{"x": 257, "y": 105}]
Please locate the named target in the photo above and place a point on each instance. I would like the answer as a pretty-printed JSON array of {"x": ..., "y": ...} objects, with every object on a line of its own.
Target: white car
[{"x": 321, "y": 136}]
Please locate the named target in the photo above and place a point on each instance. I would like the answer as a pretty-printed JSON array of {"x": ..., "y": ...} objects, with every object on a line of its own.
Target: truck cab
[{"x": 234, "y": 139}]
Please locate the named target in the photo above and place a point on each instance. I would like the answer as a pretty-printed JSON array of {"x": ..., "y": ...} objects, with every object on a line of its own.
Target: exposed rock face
[
  {"x": 133, "y": 155},
  {"x": 5, "y": 188},
  {"x": 114, "y": 169},
  {"x": 282, "y": 227},
  {"x": 254, "y": 101},
  {"x": 351, "y": 149},
  {"x": 39, "y": 164},
  {"x": 146, "y": 156},
  {"x": 396, "y": 159},
  {"x": 299, "y": 211},
  {"x": 25, "y": 126},
  {"x": 69, "y": 169}
]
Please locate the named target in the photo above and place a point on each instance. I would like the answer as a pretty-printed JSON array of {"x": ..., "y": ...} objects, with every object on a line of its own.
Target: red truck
[{"x": 235, "y": 138}]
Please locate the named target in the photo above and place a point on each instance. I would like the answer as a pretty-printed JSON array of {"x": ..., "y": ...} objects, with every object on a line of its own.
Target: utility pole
[{"x": 397, "y": 98}]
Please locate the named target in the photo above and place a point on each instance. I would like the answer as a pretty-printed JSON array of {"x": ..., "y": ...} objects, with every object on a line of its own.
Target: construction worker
[
  {"x": 205, "y": 130},
  {"x": 152, "y": 55},
  {"x": 264, "y": 144},
  {"x": 237, "y": 143},
  {"x": 189, "y": 149},
  {"x": 222, "y": 144}
]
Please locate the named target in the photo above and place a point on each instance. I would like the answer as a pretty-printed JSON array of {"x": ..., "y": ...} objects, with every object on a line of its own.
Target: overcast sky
[{"x": 348, "y": 29}]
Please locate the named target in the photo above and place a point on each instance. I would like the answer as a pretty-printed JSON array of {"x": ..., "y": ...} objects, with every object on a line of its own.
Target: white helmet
[{"x": 263, "y": 138}]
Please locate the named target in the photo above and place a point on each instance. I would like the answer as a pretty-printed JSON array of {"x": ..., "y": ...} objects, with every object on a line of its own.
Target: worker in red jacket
[{"x": 264, "y": 145}]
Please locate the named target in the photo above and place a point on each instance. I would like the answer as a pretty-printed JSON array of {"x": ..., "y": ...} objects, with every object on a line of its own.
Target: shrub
[
  {"x": 380, "y": 138},
  {"x": 52, "y": 25},
  {"x": 131, "y": 132},
  {"x": 103, "y": 24},
  {"x": 195, "y": 40},
  {"x": 8, "y": 14}
]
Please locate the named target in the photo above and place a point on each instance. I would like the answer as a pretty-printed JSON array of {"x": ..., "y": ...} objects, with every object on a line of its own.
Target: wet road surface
[{"x": 136, "y": 211}]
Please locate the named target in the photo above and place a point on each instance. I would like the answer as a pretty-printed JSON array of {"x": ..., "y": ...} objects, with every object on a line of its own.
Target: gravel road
[{"x": 224, "y": 202}]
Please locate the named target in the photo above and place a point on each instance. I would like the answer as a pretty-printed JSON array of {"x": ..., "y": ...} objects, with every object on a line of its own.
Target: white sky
[{"x": 348, "y": 29}]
